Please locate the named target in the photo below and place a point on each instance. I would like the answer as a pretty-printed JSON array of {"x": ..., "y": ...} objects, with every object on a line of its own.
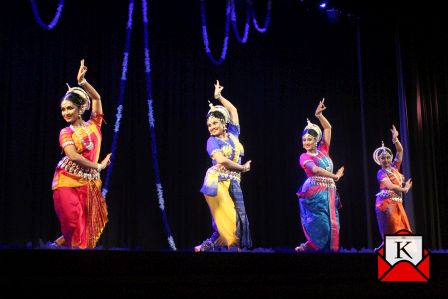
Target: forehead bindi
[
  {"x": 212, "y": 121},
  {"x": 307, "y": 138},
  {"x": 67, "y": 104}
]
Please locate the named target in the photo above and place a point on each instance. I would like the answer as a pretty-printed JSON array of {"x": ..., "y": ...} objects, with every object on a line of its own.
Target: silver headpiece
[
  {"x": 221, "y": 109},
  {"x": 379, "y": 151},
  {"x": 315, "y": 128}
]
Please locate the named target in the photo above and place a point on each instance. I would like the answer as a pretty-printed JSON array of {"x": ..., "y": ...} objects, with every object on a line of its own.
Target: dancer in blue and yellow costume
[
  {"x": 221, "y": 186},
  {"x": 318, "y": 199}
]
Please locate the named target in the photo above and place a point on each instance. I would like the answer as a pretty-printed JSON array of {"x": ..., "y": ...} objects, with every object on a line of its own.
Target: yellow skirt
[{"x": 224, "y": 214}]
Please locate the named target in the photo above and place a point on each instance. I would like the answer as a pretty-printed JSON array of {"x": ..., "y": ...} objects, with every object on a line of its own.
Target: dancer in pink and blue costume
[{"x": 318, "y": 199}]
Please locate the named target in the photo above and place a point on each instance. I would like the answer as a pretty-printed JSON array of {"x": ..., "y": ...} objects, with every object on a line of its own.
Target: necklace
[
  {"x": 325, "y": 160},
  {"x": 224, "y": 139},
  {"x": 89, "y": 146},
  {"x": 393, "y": 172},
  {"x": 234, "y": 144}
]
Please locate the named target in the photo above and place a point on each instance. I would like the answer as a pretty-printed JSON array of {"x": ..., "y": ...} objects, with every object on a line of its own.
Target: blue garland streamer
[
  {"x": 205, "y": 34},
  {"x": 152, "y": 130},
  {"x": 53, "y": 22},
  {"x": 120, "y": 106},
  {"x": 151, "y": 121},
  {"x": 245, "y": 36},
  {"x": 266, "y": 20},
  {"x": 231, "y": 17}
]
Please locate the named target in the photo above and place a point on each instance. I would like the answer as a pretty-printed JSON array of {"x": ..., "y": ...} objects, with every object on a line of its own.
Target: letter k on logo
[{"x": 403, "y": 258}]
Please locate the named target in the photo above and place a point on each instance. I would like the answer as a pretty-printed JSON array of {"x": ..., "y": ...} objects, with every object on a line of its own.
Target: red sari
[{"x": 78, "y": 202}]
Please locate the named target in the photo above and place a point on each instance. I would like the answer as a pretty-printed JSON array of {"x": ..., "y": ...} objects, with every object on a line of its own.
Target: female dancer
[
  {"x": 221, "y": 186},
  {"x": 390, "y": 212},
  {"x": 318, "y": 199},
  {"x": 78, "y": 202}
]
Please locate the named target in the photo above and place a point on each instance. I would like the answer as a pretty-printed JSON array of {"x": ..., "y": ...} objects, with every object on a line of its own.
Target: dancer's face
[
  {"x": 215, "y": 126},
  {"x": 308, "y": 142},
  {"x": 70, "y": 112},
  {"x": 385, "y": 160}
]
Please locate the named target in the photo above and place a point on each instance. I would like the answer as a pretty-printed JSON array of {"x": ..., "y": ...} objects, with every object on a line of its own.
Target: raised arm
[
  {"x": 323, "y": 121},
  {"x": 226, "y": 103},
  {"x": 398, "y": 146},
  {"x": 93, "y": 94}
]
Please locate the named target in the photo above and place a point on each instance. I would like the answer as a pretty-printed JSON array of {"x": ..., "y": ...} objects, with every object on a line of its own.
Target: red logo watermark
[{"x": 403, "y": 258}]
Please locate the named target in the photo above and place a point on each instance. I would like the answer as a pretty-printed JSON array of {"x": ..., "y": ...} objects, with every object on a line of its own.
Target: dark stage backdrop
[{"x": 275, "y": 80}]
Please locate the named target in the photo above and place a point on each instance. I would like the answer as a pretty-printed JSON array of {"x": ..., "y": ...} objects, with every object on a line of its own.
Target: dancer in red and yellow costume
[{"x": 78, "y": 202}]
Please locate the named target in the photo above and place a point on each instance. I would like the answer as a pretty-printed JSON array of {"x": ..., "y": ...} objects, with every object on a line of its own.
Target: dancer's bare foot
[
  {"x": 207, "y": 245},
  {"x": 60, "y": 241},
  {"x": 302, "y": 248}
]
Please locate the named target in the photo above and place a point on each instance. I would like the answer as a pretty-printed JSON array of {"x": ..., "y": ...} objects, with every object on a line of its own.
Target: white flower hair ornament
[
  {"x": 220, "y": 109},
  {"x": 82, "y": 94}
]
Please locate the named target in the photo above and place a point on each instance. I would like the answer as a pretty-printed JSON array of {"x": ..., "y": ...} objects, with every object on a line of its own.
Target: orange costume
[
  {"x": 78, "y": 202},
  {"x": 390, "y": 212}
]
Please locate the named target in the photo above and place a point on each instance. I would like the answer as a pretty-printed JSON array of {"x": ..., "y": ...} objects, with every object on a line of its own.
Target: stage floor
[{"x": 182, "y": 274}]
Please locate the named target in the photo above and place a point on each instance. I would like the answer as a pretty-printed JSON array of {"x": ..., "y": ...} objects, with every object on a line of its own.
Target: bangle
[
  {"x": 318, "y": 115},
  {"x": 395, "y": 140},
  {"x": 217, "y": 96},
  {"x": 82, "y": 82},
  {"x": 99, "y": 168}
]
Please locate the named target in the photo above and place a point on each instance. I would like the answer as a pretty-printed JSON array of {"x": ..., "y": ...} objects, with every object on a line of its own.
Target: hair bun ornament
[
  {"x": 81, "y": 93},
  {"x": 314, "y": 127},
  {"x": 379, "y": 151},
  {"x": 221, "y": 109}
]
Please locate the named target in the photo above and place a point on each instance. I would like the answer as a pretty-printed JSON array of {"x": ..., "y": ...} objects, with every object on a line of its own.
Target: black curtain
[
  {"x": 427, "y": 92},
  {"x": 275, "y": 80}
]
